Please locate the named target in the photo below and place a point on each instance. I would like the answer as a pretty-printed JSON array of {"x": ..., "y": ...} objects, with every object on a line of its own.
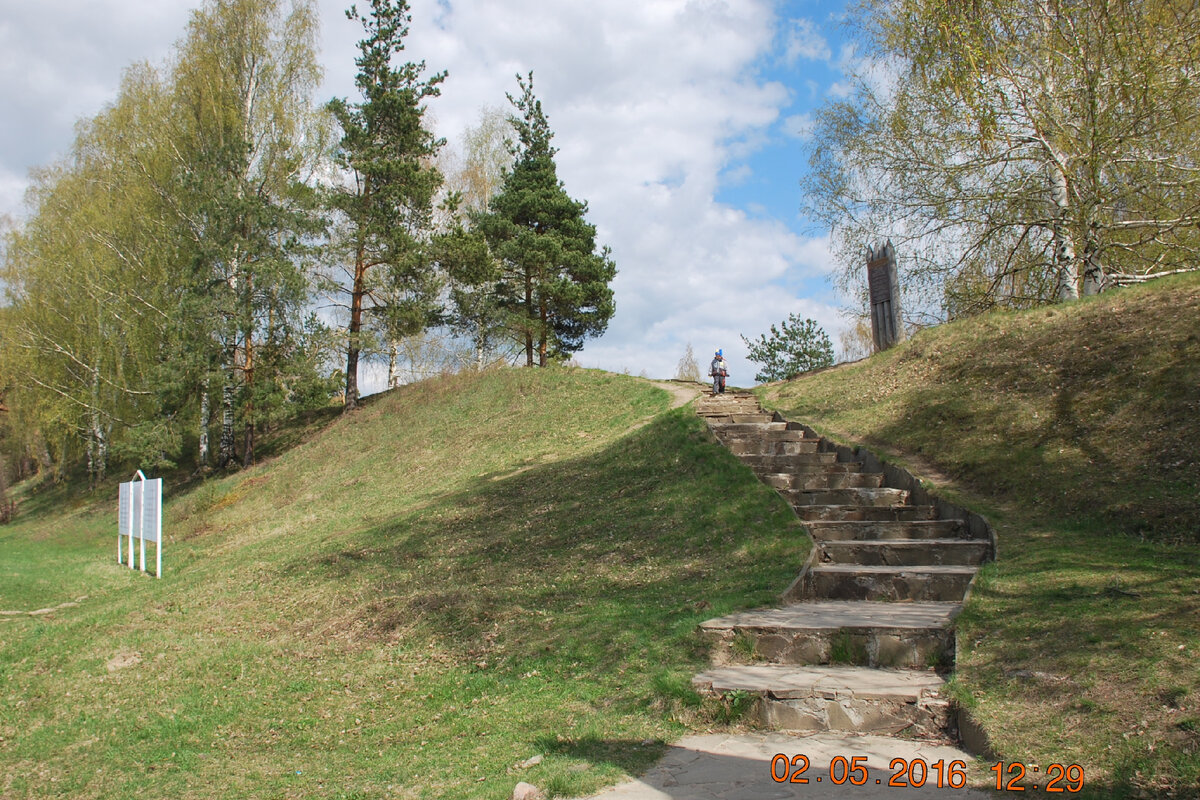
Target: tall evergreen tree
[
  {"x": 386, "y": 206},
  {"x": 554, "y": 284}
]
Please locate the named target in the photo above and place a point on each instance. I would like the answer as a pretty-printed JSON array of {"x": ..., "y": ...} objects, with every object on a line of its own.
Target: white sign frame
[{"x": 139, "y": 515}]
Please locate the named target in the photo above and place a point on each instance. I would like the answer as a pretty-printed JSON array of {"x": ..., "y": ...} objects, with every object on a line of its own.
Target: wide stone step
[
  {"x": 811, "y": 482},
  {"x": 773, "y": 462},
  {"x": 843, "y": 699},
  {"x": 848, "y": 497},
  {"x": 785, "y": 482},
  {"x": 798, "y": 462},
  {"x": 873, "y": 530},
  {"x": 774, "y": 434},
  {"x": 904, "y": 635},
  {"x": 905, "y": 553},
  {"x": 891, "y": 584},
  {"x": 772, "y": 448},
  {"x": 733, "y": 429},
  {"x": 855, "y": 512}
]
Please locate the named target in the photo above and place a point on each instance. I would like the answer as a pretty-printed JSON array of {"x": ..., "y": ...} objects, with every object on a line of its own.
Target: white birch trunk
[
  {"x": 1064, "y": 244},
  {"x": 205, "y": 413}
]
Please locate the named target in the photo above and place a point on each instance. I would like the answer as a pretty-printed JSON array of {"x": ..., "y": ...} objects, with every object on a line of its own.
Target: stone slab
[
  {"x": 792, "y": 682},
  {"x": 837, "y": 614},
  {"x": 738, "y": 767}
]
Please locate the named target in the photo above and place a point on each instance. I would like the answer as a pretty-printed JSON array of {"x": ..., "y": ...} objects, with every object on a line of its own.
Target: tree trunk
[
  {"x": 542, "y": 333},
  {"x": 1064, "y": 245},
  {"x": 528, "y": 318},
  {"x": 248, "y": 418},
  {"x": 1093, "y": 270},
  {"x": 357, "y": 293},
  {"x": 225, "y": 452},
  {"x": 205, "y": 412},
  {"x": 392, "y": 376},
  {"x": 354, "y": 345}
]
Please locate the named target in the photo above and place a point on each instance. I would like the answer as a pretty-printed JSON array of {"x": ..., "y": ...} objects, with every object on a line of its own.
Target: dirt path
[{"x": 681, "y": 393}]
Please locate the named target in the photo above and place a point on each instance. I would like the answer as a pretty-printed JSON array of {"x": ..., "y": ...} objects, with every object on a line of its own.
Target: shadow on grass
[{"x": 594, "y": 562}]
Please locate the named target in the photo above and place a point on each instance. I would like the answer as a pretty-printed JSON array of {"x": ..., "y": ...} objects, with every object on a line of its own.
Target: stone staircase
[{"x": 866, "y": 630}]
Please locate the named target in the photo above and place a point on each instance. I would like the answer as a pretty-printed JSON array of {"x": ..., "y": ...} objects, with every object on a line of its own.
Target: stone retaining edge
[{"x": 896, "y": 477}]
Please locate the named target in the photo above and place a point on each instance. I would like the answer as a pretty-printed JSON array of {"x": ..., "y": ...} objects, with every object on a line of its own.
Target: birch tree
[
  {"x": 249, "y": 140},
  {"x": 1020, "y": 152}
]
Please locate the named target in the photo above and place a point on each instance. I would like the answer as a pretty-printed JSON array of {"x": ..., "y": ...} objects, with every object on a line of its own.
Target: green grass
[
  {"x": 407, "y": 603},
  {"x": 1076, "y": 430}
]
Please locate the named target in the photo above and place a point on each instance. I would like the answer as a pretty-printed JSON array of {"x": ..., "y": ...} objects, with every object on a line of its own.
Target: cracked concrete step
[
  {"x": 890, "y": 584},
  {"x": 882, "y": 497},
  {"x": 856, "y": 512},
  {"x": 869, "y": 634},
  {"x": 873, "y": 530},
  {"x": 812, "y": 481},
  {"x": 904, "y": 553},
  {"x": 834, "y": 698}
]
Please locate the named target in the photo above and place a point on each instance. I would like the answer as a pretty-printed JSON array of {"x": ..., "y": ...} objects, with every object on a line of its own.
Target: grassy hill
[
  {"x": 417, "y": 598},
  {"x": 1076, "y": 429},
  {"x": 412, "y": 601}
]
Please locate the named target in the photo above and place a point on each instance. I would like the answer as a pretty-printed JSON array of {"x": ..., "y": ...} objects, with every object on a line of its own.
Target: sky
[{"x": 682, "y": 124}]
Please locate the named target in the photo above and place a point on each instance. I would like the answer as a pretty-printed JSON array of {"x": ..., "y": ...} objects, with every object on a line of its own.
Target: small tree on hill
[
  {"x": 688, "y": 369},
  {"x": 798, "y": 345}
]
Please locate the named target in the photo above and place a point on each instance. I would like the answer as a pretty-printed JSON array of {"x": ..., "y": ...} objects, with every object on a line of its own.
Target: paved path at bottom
[{"x": 728, "y": 767}]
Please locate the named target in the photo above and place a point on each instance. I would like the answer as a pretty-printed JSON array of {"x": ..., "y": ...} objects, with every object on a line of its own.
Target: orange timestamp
[{"x": 917, "y": 772}]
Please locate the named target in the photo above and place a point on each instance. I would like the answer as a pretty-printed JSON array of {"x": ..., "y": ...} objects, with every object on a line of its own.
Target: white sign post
[{"x": 139, "y": 514}]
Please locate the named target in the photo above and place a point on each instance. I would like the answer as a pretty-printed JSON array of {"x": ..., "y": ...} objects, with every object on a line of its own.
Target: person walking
[{"x": 719, "y": 371}]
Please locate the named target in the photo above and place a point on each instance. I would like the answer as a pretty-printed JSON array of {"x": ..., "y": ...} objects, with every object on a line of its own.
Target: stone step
[
  {"x": 774, "y": 462},
  {"x": 797, "y": 462},
  {"x": 883, "y": 497},
  {"x": 811, "y": 482},
  {"x": 890, "y": 530},
  {"x": 773, "y": 448},
  {"x": 736, "y": 417},
  {"x": 904, "y": 635},
  {"x": 857, "y": 512},
  {"x": 785, "y": 482},
  {"x": 763, "y": 436},
  {"x": 889, "y": 584},
  {"x": 748, "y": 428},
  {"x": 843, "y": 699},
  {"x": 905, "y": 553}
]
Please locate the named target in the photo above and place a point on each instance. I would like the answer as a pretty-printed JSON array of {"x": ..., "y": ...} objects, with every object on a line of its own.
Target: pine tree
[
  {"x": 798, "y": 345},
  {"x": 387, "y": 206},
  {"x": 554, "y": 284}
]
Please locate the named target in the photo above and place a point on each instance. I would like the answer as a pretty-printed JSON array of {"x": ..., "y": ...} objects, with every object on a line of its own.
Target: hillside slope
[
  {"x": 1077, "y": 430},
  {"x": 464, "y": 574}
]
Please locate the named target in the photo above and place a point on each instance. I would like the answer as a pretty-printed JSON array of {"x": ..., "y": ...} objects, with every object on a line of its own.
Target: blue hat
[{"x": 720, "y": 352}]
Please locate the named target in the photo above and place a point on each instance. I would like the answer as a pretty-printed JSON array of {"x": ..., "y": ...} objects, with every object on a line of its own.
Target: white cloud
[
  {"x": 799, "y": 126},
  {"x": 652, "y": 104},
  {"x": 805, "y": 41}
]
